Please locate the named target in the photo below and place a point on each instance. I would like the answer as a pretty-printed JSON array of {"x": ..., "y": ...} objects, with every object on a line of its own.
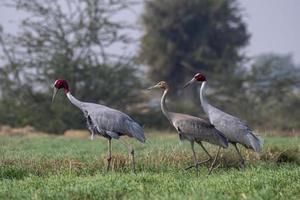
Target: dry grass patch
[
  {"x": 77, "y": 134},
  {"x": 27, "y": 131}
]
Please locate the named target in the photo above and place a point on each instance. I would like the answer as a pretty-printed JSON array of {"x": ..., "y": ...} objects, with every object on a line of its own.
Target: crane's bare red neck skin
[
  {"x": 200, "y": 77},
  {"x": 61, "y": 83}
]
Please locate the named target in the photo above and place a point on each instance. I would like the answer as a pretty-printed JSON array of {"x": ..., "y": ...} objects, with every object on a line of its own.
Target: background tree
[
  {"x": 183, "y": 37},
  {"x": 77, "y": 40},
  {"x": 273, "y": 92},
  {"x": 71, "y": 39}
]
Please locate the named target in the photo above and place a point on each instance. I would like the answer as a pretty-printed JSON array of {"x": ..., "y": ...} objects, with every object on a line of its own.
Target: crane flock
[
  {"x": 220, "y": 130},
  {"x": 193, "y": 129}
]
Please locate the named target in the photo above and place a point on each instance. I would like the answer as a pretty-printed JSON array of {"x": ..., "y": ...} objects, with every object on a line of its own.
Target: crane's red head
[
  {"x": 59, "y": 84},
  {"x": 198, "y": 77}
]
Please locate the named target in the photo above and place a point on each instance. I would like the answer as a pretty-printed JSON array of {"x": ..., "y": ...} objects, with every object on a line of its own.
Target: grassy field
[{"x": 52, "y": 167}]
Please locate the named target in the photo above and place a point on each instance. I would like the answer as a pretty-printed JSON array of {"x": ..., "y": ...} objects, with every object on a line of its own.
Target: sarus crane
[
  {"x": 236, "y": 131},
  {"x": 105, "y": 121},
  {"x": 193, "y": 129}
]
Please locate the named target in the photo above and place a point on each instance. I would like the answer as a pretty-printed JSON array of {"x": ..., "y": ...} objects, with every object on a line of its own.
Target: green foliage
[
  {"x": 273, "y": 92},
  {"x": 182, "y": 37},
  {"x": 62, "y": 168},
  {"x": 75, "y": 40},
  {"x": 152, "y": 119},
  {"x": 71, "y": 40}
]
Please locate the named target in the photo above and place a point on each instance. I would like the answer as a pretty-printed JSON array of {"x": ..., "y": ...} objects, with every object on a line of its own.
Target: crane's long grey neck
[
  {"x": 74, "y": 101},
  {"x": 163, "y": 105},
  {"x": 203, "y": 99}
]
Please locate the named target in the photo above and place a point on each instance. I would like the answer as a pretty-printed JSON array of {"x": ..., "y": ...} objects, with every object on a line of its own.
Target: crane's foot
[
  {"x": 198, "y": 164},
  {"x": 213, "y": 163},
  {"x": 213, "y": 168}
]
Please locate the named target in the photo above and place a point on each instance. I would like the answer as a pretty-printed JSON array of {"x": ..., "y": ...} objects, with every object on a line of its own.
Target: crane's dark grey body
[
  {"x": 232, "y": 127},
  {"x": 196, "y": 129},
  {"x": 108, "y": 122},
  {"x": 193, "y": 129}
]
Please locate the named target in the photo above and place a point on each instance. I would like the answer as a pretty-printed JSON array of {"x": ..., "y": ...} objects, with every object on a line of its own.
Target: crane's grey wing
[
  {"x": 94, "y": 128},
  {"x": 235, "y": 129},
  {"x": 115, "y": 123},
  {"x": 199, "y": 129},
  {"x": 192, "y": 125}
]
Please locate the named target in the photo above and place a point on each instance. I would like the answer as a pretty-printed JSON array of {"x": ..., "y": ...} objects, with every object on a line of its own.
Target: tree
[
  {"x": 74, "y": 40},
  {"x": 182, "y": 37},
  {"x": 273, "y": 89}
]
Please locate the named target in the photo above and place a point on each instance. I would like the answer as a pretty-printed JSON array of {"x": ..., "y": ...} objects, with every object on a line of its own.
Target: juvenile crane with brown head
[
  {"x": 105, "y": 121},
  {"x": 233, "y": 128},
  {"x": 193, "y": 129}
]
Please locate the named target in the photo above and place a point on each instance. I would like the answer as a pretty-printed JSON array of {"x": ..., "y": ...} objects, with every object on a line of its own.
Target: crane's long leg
[
  {"x": 131, "y": 152},
  {"x": 213, "y": 163},
  {"x": 195, "y": 158},
  {"x": 210, "y": 157},
  {"x": 109, "y": 155},
  {"x": 201, "y": 162},
  {"x": 240, "y": 155}
]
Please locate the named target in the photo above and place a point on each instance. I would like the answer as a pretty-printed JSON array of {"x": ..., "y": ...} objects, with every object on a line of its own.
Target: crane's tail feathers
[
  {"x": 256, "y": 143},
  {"x": 224, "y": 142},
  {"x": 137, "y": 131}
]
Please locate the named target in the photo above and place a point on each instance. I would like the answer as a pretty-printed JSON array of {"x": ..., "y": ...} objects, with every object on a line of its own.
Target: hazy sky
[{"x": 273, "y": 24}]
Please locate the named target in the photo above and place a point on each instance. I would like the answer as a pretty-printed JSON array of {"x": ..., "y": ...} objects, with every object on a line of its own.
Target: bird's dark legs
[
  {"x": 195, "y": 158},
  {"x": 109, "y": 155},
  {"x": 210, "y": 157},
  {"x": 240, "y": 155},
  {"x": 133, "y": 160},
  {"x": 201, "y": 162},
  {"x": 131, "y": 152},
  {"x": 213, "y": 163},
  {"x": 207, "y": 160}
]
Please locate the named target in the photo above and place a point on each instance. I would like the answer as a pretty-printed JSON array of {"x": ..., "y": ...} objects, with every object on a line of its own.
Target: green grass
[{"x": 64, "y": 168}]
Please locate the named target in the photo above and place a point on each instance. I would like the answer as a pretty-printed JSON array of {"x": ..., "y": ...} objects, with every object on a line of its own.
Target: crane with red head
[
  {"x": 236, "y": 131},
  {"x": 107, "y": 122}
]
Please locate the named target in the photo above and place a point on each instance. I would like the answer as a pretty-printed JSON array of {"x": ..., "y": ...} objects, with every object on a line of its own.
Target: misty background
[{"x": 110, "y": 51}]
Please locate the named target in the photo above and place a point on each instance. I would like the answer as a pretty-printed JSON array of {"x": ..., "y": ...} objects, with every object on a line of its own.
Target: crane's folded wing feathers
[
  {"x": 235, "y": 129},
  {"x": 199, "y": 129},
  {"x": 113, "y": 121}
]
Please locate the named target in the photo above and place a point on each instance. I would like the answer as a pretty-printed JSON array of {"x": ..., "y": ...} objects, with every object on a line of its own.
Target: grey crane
[
  {"x": 233, "y": 128},
  {"x": 193, "y": 129},
  {"x": 105, "y": 121}
]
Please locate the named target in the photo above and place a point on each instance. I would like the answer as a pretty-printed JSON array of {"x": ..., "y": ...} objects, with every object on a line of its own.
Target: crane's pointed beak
[
  {"x": 153, "y": 87},
  {"x": 54, "y": 93},
  {"x": 150, "y": 88},
  {"x": 189, "y": 83}
]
